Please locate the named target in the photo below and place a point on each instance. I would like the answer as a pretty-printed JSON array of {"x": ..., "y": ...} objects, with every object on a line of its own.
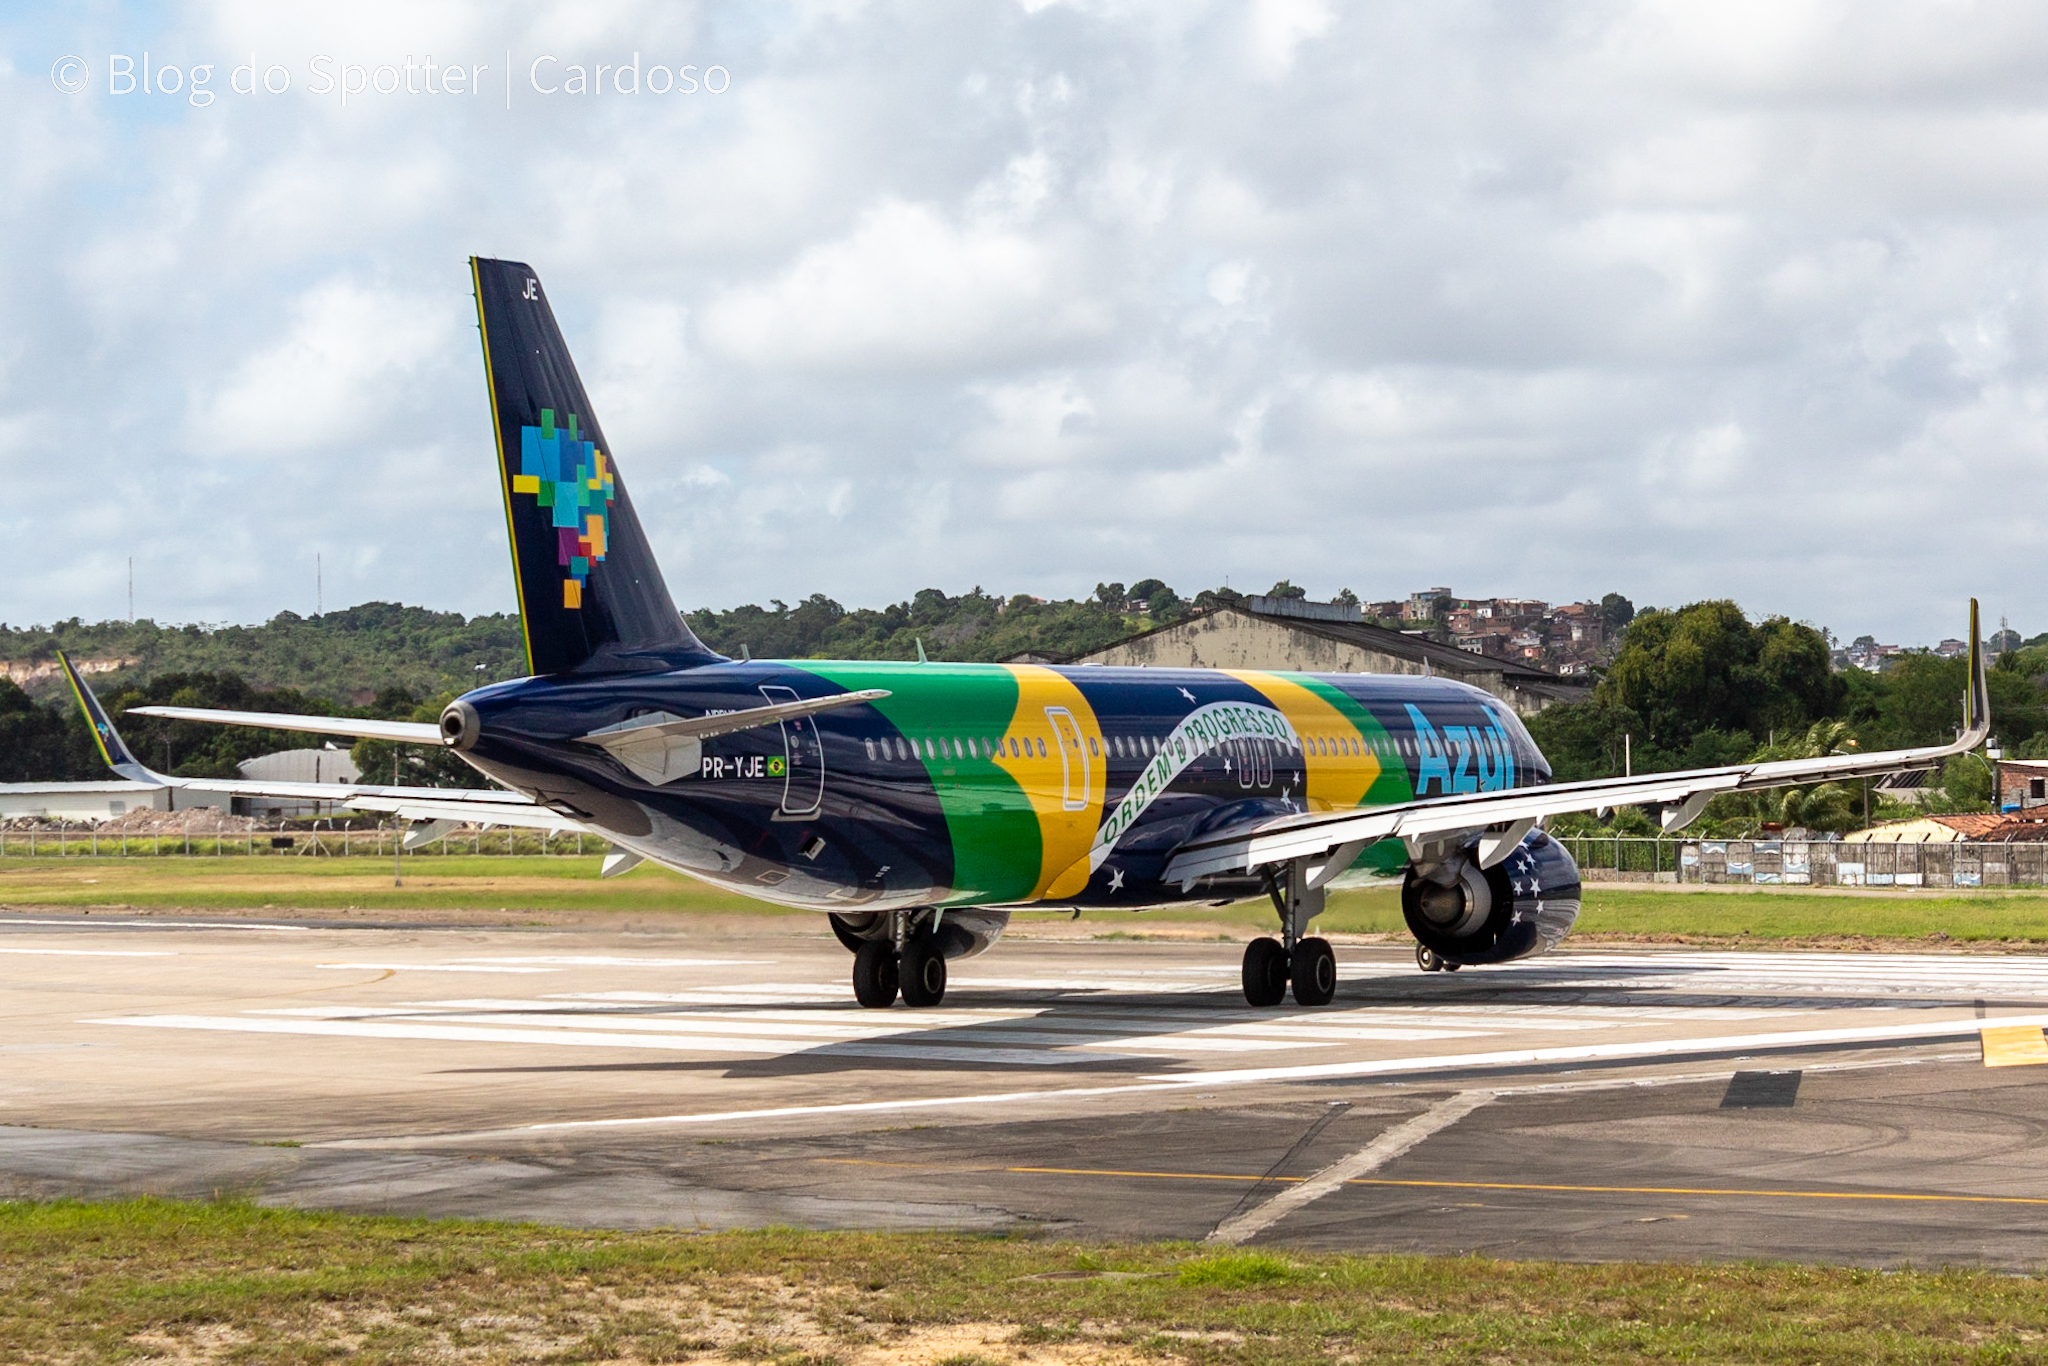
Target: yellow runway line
[
  {"x": 2013, "y": 1045},
  {"x": 1926, "y": 1197}
]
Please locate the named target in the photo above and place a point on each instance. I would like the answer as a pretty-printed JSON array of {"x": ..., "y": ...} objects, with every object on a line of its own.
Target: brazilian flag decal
[{"x": 778, "y": 766}]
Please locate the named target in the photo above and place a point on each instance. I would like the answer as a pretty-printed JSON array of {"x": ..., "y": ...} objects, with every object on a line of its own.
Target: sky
[{"x": 1533, "y": 298}]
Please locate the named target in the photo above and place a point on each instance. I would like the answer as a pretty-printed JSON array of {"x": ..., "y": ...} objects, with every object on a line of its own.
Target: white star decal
[
  {"x": 1188, "y": 695},
  {"x": 1116, "y": 880}
]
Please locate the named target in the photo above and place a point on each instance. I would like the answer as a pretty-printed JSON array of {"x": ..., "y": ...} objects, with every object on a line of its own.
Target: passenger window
[
  {"x": 1091, "y": 747},
  {"x": 870, "y": 744},
  {"x": 1041, "y": 747}
]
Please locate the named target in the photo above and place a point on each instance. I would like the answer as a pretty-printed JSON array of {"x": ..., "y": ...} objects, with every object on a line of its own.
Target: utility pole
[{"x": 397, "y": 835}]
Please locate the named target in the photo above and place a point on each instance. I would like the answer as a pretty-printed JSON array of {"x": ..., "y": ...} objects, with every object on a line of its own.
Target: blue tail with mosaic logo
[{"x": 591, "y": 597}]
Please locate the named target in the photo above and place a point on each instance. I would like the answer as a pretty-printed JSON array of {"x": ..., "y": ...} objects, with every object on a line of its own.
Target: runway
[{"x": 1597, "y": 1104}]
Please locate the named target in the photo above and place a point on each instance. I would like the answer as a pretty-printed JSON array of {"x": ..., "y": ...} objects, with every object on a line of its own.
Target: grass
[
  {"x": 90, "y": 1283},
  {"x": 570, "y": 883},
  {"x": 432, "y": 882}
]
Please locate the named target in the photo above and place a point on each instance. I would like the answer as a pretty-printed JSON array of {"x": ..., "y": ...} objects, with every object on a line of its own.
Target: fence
[
  {"x": 1814, "y": 863},
  {"x": 274, "y": 844}
]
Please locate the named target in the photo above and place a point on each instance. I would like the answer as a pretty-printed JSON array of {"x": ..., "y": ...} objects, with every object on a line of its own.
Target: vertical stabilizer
[{"x": 591, "y": 597}]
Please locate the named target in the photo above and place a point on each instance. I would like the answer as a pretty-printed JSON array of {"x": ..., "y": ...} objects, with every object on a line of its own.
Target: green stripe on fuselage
[
  {"x": 989, "y": 820},
  {"x": 1388, "y": 856}
]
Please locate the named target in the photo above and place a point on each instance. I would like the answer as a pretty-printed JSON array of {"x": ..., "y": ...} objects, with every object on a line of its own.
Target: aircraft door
[
  {"x": 1073, "y": 758},
  {"x": 803, "y": 757}
]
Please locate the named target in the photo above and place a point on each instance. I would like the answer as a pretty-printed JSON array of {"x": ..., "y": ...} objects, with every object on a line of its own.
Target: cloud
[
  {"x": 907, "y": 289},
  {"x": 1685, "y": 301}
]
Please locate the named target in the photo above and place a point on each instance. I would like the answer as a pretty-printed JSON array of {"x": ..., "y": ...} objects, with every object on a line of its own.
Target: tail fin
[
  {"x": 591, "y": 596},
  {"x": 112, "y": 749}
]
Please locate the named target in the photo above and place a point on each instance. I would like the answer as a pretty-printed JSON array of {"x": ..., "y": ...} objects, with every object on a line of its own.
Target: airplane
[{"x": 919, "y": 805}]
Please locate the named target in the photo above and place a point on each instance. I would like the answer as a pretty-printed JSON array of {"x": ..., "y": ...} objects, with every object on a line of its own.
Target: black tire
[
  {"x": 874, "y": 974},
  {"x": 1314, "y": 973},
  {"x": 923, "y": 972},
  {"x": 1265, "y": 972},
  {"x": 1426, "y": 959}
]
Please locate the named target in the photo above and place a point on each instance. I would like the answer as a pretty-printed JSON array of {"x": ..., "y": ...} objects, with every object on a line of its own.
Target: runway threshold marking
[
  {"x": 2013, "y": 1045},
  {"x": 1249, "y": 1177}
]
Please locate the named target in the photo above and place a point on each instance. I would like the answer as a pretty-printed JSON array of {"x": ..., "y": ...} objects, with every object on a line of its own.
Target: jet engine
[
  {"x": 961, "y": 933},
  {"x": 1525, "y": 904}
]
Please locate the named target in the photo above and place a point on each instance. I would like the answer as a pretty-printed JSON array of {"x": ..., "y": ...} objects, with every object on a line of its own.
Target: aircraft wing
[{"x": 1501, "y": 819}]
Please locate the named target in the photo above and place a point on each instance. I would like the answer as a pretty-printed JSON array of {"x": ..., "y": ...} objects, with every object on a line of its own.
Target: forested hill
[
  {"x": 384, "y": 659},
  {"x": 973, "y": 627},
  {"x": 347, "y": 657}
]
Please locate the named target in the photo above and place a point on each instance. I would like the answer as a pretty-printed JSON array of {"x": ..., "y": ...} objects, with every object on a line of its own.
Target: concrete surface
[{"x": 1597, "y": 1104}]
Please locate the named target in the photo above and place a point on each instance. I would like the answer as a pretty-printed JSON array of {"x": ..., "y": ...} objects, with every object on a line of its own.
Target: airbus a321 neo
[{"x": 919, "y": 805}]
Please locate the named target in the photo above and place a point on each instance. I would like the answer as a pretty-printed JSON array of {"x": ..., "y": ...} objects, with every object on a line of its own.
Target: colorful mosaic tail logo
[{"x": 570, "y": 476}]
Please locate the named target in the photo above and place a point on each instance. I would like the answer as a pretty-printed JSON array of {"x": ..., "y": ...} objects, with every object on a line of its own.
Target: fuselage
[{"x": 988, "y": 784}]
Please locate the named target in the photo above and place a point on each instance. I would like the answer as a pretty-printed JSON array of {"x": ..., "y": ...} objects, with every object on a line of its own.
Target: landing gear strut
[
  {"x": 1306, "y": 963},
  {"x": 907, "y": 959}
]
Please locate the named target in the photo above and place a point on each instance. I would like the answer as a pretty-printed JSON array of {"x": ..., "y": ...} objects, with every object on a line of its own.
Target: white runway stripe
[
  {"x": 572, "y": 1038},
  {"x": 426, "y": 967},
  {"x": 798, "y": 1037},
  {"x": 98, "y": 953}
]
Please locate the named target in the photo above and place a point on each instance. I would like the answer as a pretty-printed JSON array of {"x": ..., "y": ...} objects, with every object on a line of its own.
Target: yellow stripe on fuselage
[
  {"x": 1336, "y": 782},
  {"x": 1074, "y": 769}
]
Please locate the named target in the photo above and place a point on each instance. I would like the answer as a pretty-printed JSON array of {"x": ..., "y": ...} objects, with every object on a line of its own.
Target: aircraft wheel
[
  {"x": 923, "y": 972},
  {"x": 1265, "y": 972},
  {"x": 874, "y": 974},
  {"x": 1314, "y": 973},
  {"x": 1426, "y": 959}
]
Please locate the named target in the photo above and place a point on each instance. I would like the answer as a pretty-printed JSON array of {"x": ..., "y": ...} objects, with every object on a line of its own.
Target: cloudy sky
[{"x": 1543, "y": 299}]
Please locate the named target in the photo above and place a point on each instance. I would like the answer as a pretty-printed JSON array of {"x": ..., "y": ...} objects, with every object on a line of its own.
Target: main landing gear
[
  {"x": 1269, "y": 969},
  {"x": 1307, "y": 964},
  {"x": 904, "y": 960}
]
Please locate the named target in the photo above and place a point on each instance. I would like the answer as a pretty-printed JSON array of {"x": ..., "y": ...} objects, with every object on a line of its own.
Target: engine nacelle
[
  {"x": 1524, "y": 905},
  {"x": 962, "y": 933}
]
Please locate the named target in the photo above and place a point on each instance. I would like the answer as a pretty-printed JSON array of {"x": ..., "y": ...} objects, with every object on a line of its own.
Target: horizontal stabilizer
[{"x": 402, "y": 732}]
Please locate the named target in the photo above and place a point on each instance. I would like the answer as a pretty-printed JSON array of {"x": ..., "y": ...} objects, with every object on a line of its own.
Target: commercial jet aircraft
[{"x": 919, "y": 805}]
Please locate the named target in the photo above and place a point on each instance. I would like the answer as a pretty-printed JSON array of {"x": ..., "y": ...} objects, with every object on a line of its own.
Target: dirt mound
[{"x": 197, "y": 820}]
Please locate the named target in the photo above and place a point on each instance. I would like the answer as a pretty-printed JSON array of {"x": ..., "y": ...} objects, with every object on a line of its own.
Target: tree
[
  {"x": 1705, "y": 667},
  {"x": 1111, "y": 596},
  {"x": 1616, "y": 612},
  {"x": 37, "y": 746},
  {"x": 1284, "y": 589},
  {"x": 1583, "y": 739}
]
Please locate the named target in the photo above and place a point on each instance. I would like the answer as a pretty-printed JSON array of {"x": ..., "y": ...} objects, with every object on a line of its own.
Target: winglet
[
  {"x": 112, "y": 749},
  {"x": 1977, "y": 696}
]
